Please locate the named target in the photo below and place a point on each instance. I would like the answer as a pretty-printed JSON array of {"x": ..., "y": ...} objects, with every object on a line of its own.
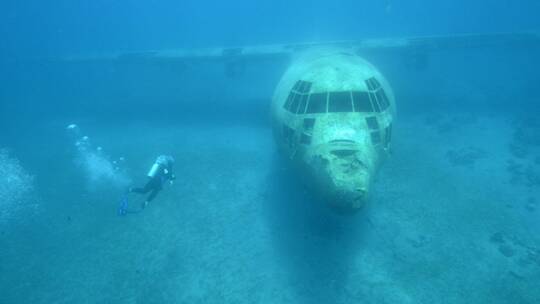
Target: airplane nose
[
  {"x": 361, "y": 192},
  {"x": 349, "y": 201},
  {"x": 358, "y": 198}
]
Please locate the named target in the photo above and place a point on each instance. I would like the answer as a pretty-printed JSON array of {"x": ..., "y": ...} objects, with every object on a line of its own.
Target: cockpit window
[
  {"x": 388, "y": 135},
  {"x": 302, "y": 104},
  {"x": 361, "y": 102},
  {"x": 303, "y": 87},
  {"x": 340, "y": 102},
  {"x": 369, "y": 84},
  {"x": 300, "y": 101},
  {"x": 317, "y": 103},
  {"x": 288, "y": 135},
  {"x": 287, "y": 105},
  {"x": 308, "y": 124},
  {"x": 383, "y": 100},
  {"x": 294, "y": 104},
  {"x": 375, "y": 138},
  {"x": 373, "y": 84},
  {"x": 377, "y": 95},
  {"x": 297, "y": 99},
  {"x": 374, "y": 102},
  {"x": 297, "y": 85},
  {"x": 372, "y": 123}
]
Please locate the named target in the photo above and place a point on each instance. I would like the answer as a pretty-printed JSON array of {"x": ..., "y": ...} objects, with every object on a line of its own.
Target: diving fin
[{"x": 123, "y": 208}]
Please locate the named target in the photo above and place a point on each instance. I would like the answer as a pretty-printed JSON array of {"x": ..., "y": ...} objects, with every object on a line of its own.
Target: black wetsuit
[{"x": 155, "y": 184}]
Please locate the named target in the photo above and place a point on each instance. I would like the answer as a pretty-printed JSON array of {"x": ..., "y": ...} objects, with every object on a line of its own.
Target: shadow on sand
[{"x": 316, "y": 245}]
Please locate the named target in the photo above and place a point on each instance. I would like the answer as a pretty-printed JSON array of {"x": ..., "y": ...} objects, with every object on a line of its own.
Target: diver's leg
[
  {"x": 149, "y": 185},
  {"x": 137, "y": 190},
  {"x": 153, "y": 194}
]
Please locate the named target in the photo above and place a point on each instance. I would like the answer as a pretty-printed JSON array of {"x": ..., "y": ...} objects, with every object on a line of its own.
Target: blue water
[{"x": 453, "y": 216}]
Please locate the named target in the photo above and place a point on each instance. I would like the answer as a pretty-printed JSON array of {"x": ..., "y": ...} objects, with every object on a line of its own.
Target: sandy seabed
[{"x": 453, "y": 218}]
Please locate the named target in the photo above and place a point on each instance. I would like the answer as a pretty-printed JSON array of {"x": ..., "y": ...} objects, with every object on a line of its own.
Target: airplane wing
[{"x": 246, "y": 53}]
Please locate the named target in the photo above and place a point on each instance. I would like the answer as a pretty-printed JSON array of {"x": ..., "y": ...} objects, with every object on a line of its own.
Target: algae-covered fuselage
[{"x": 332, "y": 117}]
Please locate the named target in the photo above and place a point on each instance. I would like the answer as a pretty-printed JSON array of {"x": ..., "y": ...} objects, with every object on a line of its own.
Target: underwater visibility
[{"x": 269, "y": 152}]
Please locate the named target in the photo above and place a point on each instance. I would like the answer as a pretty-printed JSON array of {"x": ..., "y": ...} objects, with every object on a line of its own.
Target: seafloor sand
[{"x": 453, "y": 219}]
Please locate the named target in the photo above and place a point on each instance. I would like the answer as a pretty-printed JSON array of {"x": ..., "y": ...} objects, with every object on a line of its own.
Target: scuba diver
[{"x": 161, "y": 171}]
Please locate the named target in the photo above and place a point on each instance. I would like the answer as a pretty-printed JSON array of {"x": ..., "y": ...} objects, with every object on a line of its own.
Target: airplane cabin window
[
  {"x": 340, "y": 102},
  {"x": 372, "y": 123},
  {"x": 317, "y": 103},
  {"x": 361, "y": 102}
]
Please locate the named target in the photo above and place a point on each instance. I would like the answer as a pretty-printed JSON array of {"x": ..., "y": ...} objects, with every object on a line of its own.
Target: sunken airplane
[
  {"x": 332, "y": 111},
  {"x": 332, "y": 116}
]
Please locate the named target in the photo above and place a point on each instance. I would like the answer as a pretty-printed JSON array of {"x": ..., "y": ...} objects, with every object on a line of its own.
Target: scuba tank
[
  {"x": 154, "y": 170},
  {"x": 161, "y": 161}
]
